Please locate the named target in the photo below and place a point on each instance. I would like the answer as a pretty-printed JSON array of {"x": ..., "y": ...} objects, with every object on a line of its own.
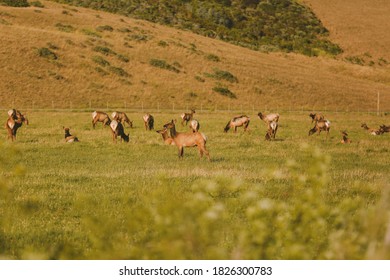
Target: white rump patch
[
  {"x": 114, "y": 125},
  {"x": 94, "y": 114},
  {"x": 114, "y": 114},
  {"x": 182, "y": 115},
  {"x": 146, "y": 117},
  {"x": 10, "y": 112},
  {"x": 273, "y": 125},
  {"x": 327, "y": 123}
]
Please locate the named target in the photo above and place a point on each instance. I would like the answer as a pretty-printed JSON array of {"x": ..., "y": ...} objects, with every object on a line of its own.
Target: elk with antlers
[
  {"x": 188, "y": 139},
  {"x": 102, "y": 117}
]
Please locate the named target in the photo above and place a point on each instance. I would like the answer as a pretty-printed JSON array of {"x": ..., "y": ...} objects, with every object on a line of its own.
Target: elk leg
[{"x": 181, "y": 152}]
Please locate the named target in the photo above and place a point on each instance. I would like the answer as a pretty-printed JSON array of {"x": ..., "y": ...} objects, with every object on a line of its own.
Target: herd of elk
[
  {"x": 148, "y": 121},
  {"x": 238, "y": 121},
  {"x": 69, "y": 138},
  {"x": 14, "y": 122},
  {"x": 186, "y": 117},
  {"x": 187, "y": 139}
]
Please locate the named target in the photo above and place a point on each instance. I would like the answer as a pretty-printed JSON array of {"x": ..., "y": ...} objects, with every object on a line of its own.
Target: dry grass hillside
[
  {"x": 65, "y": 57},
  {"x": 360, "y": 27}
]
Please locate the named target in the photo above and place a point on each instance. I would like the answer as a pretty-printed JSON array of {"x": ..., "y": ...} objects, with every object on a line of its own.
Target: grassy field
[{"x": 298, "y": 197}]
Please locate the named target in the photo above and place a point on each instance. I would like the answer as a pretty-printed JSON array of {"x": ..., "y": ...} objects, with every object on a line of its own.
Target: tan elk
[
  {"x": 166, "y": 138},
  {"x": 188, "y": 139},
  {"x": 14, "y": 122},
  {"x": 238, "y": 121},
  {"x": 315, "y": 117},
  {"x": 372, "y": 131},
  {"x": 194, "y": 125},
  {"x": 121, "y": 117},
  {"x": 268, "y": 118},
  {"x": 118, "y": 130},
  {"x": 271, "y": 132},
  {"x": 322, "y": 125},
  {"x": 186, "y": 117},
  {"x": 102, "y": 117},
  {"x": 148, "y": 121},
  {"x": 345, "y": 139},
  {"x": 69, "y": 138}
]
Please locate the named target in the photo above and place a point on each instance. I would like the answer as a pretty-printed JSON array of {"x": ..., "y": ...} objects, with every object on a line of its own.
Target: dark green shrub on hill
[
  {"x": 15, "y": 3},
  {"x": 277, "y": 24}
]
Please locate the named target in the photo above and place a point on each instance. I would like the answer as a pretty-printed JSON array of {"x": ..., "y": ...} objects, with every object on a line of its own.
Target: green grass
[{"x": 297, "y": 197}]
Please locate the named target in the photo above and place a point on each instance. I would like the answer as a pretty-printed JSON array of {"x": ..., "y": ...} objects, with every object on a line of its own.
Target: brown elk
[
  {"x": 372, "y": 131},
  {"x": 322, "y": 125},
  {"x": 194, "y": 125},
  {"x": 268, "y": 118},
  {"x": 14, "y": 122},
  {"x": 122, "y": 117},
  {"x": 345, "y": 139},
  {"x": 383, "y": 128},
  {"x": 188, "y": 139},
  {"x": 271, "y": 132},
  {"x": 186, "y": 117},
  {"x": 148, "y": 121},
  {"x": 238, "y": 121},
  {"x": 118, "y": 130},
  {"x": 315, "y": 117},
  {"x": 164, "y": 133},
  {"x": 102, "y": 117},
  {"x": 69, "y": 138}
]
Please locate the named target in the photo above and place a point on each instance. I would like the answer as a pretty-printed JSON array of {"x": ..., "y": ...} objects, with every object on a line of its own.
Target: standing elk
[
  {"x": 188, "y": 139},
  {"x": 194, "y": 125},
  {"x": 238, "y": 121},
  {"x": 186, "y": 117},
  {"x": 164, "y": 133},
  {"x": 14, "y": 122},
  {"x": 69, "y": 138},
  {"x": 271, "y": 132},
  {"x": 316, "y": 117},
  {"x": 372, "y": 131},
  {"x": 118, "y": 130},
  {"x": 322, "y": 125},
  {"x": 122, "y": 117},
  {"x": 148, "y": 121},
  {"x": 345, "y": 139},
  {"x": 102, "y": 117}
]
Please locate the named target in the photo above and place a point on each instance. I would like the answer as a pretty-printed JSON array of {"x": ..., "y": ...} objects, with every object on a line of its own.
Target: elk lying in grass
[
  {"x": 69, "y": 138},
  {"x": 122, "y": 117},
  {"x": 372, "y": 131},
  {"x": 345, "y": 139},
  {"x": 14, "y": 122},
  {"x": 164, "y": 133},
  {"x": 148, "y": 121},
  {"x": 102, "y": 117},
  {"x": 194, "y": 125},
  {"x": 188, "y": 139},
  {"x": 186, "y": 117},
  {"x": 315, "y": 117},
  {"x": 271, "y": 132},
  {"x": 322, "y": 125},
  {"x": 268, "y": 118},
  {"x": 118, "y": 130},
  {"x": 237, "y": 121}
]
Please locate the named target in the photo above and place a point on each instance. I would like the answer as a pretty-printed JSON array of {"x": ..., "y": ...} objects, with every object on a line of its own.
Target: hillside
[
  {"x": 360, "y": 27},
  {"x": 60, "y": 56}
]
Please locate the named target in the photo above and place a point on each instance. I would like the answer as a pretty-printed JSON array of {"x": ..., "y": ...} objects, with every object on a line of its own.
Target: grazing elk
[
  {"x": 322, "y": 125},
  {"x": 345, "y": 139},
  {"x": 372, "y": 131},
  {"x": 194, "y": 125},
  {"x": 271, "y": 132},
  {"x": 69, "y": 138},
  {"x": 164, "y": 133},
  {"x": 316, "y": 117},
  {"x": 238, "y": 121},
  {"x": 188, "y": 139},
  {"x": 102, "y": 117},
  {"x": 14, "y": 122},
  {"x": 118, "y": 130},
  {"x": 186, "y": 117},
  {"x": 122, "y": 117},
  {"x": 148, "y": 121}
]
